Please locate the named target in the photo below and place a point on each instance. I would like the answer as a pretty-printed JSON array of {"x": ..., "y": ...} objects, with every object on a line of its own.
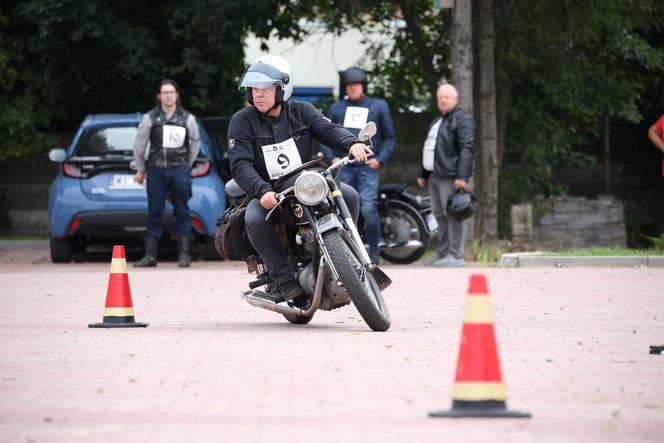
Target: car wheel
[
  {"x": 210, "y": 250},
  {"x": 60, "y": 250}
]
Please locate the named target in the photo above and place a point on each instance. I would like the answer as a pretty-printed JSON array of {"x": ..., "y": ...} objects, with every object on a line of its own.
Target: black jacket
[
  {"x": 249, "y": 130},
  {"x": 455, "y": 150}
]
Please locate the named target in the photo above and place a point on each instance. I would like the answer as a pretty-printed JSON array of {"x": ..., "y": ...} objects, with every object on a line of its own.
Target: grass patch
[
  {"x": 6, "y": 237},
  {"x": 604, "y": 252}
]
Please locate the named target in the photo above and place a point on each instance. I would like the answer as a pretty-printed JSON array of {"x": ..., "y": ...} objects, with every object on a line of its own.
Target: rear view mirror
[
  {"x": 367, "y": 132},
  {"x": 57, "y": 155}
]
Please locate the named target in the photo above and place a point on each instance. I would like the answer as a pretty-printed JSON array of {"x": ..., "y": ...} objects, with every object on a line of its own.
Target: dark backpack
[{"x": 231, "y": 239}]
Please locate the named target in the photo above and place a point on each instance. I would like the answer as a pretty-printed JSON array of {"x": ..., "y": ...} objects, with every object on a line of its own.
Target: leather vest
[{"x": 169, "y": 139}]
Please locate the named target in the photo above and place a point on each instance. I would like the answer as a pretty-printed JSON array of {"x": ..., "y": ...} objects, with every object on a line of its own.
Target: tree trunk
[
  {"x": 504, "y": 97},
  {"x": 607, "y": 153},
  {"x": 486, "y": 223},
  {"x": 462, "y": 53}
]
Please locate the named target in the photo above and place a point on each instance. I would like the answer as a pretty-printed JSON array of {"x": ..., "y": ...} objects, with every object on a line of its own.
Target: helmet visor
[{"x": 262, "y": 75}]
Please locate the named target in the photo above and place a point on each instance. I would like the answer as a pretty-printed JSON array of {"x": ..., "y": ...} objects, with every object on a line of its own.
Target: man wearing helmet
[
  {"x": 269, "y": 139},
  {"x": 447, "y": 165},
  {"x": 353, "y": 113}
]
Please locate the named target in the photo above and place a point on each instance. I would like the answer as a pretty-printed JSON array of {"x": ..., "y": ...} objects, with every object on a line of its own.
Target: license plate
[
  {"x": 124, "y": 181},
  {"x": 432, "y": 223}
]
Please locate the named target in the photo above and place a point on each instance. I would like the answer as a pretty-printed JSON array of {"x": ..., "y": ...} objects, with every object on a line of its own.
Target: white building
[{"x": 319, "y": 58}]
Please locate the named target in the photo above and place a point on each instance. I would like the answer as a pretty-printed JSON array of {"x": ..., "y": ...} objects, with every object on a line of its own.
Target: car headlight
[{"x": 311, "y": 188}]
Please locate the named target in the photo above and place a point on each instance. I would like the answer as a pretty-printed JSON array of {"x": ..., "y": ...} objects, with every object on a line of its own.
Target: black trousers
[{"x": 264, "y": 237}]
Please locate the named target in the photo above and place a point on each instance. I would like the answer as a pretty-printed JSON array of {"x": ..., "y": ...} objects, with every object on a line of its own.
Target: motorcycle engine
[
  {"x": 305, "y": 238},
  {"x": 333, "y": 296}
]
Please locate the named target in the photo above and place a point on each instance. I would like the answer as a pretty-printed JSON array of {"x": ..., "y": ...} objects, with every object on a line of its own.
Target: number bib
[
  {"x": 173, "y": 136},
  {"x": 281, "y": 158},
  {"x": 356, "y": 117}
]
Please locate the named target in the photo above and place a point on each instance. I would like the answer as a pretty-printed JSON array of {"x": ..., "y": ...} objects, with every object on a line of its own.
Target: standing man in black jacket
[
  {"x": 447, "y": 165},
  {"x": 269, "y": 139}
]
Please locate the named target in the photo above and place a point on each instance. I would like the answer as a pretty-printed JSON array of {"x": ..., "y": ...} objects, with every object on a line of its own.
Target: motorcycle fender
[
  {"x": 382, "y": 280},
  {"x": 328, "y": 222}
]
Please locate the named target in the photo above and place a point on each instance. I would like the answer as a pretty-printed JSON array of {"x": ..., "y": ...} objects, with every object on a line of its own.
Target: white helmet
[{"x": 266, "y": 71}]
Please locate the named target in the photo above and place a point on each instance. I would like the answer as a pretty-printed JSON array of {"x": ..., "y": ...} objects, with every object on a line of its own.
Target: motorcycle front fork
[{"x": 348, "y": 218}]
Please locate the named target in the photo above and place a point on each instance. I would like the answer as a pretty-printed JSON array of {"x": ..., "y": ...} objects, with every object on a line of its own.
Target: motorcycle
[
  {"x": 323, "y": 244},
  {"x": 407, "y": 224}
]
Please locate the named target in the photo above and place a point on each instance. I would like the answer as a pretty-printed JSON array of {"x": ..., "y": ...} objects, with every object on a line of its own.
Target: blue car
[{"x": 94, "y": 197}]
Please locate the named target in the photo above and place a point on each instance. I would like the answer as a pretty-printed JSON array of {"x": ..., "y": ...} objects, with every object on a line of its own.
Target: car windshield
[{"x": 104, "y": 141}]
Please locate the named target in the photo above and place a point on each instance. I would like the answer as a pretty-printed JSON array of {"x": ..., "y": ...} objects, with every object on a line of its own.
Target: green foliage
[
  {"x": 63, "y": 59},
  {"x": 486, "y": 254},
  {"x": 658, "y": 243},
  {"x": 567, "y": 65},
  {"x": 605, "y": 252}
]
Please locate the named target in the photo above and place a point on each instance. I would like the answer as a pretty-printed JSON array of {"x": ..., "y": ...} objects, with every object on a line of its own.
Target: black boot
[
  {"x": 149, "y": 260},
  {"x": 288, "y": 291},
  {"x": 184, "y": 260}
]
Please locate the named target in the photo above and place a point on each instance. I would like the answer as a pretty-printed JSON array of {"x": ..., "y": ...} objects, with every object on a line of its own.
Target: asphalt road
[{"x": 573, "y": 346}]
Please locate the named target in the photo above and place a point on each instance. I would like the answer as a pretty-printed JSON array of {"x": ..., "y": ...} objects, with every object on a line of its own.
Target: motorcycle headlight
[{"x": 311, "y": 188}]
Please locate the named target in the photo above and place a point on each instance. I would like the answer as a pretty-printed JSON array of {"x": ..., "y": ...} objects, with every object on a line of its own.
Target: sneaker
[
  {"x": 450, "y": 261},
  {"x": 289, "y": 290},
  {"x": 432, "y": 260}
]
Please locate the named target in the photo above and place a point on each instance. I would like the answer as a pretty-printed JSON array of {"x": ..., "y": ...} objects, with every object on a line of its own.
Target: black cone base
[
  {"x": 118, "y": 325},
  {"x": 480, "y": 413},
  {"x": 114, "y": 321},
  {"x": 483, "y": 409}
]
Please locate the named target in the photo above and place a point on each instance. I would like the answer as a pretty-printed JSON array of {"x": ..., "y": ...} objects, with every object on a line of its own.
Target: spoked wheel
[
  {"x": 403, "y": 225},
  {"x": 298, "y": 319},
  {"x": 358, "y": 281}
]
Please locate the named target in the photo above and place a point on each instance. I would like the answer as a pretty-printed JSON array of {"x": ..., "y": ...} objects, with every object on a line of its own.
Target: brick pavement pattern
[{"x": 211, "y": 368}]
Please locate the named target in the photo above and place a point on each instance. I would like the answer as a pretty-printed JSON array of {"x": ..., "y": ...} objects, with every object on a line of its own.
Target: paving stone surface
[{"x": 573, "y": 345}]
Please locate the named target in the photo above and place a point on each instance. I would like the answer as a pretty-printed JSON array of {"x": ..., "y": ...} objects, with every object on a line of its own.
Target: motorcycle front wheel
[
  {"x": 298, "y": 319},
  {"x": 405, "y": 224},
  {"x": 358, "y": 281}
]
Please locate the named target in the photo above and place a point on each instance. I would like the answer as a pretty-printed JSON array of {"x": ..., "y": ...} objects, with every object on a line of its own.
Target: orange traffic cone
[
  {"x": 478, "y": 389},
  {"x": 119, "y": 310}
]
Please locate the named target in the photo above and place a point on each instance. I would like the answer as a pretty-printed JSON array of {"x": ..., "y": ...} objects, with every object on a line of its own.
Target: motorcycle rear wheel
[
  {"x": 358, "y": 281},
  {"x": 404, "y": 217}
]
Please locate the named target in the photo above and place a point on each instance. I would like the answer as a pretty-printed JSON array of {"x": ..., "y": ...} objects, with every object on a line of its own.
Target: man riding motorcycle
[{"x": 269, "y": 139}]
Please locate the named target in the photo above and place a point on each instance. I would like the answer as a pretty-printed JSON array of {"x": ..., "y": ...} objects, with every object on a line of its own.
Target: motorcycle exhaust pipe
[{"x": 283, "y": 308}]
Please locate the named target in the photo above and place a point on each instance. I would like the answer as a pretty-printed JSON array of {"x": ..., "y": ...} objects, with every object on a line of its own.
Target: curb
[
  {"x": 537, "y": 259},
  {"x": 23, "y": 244}
]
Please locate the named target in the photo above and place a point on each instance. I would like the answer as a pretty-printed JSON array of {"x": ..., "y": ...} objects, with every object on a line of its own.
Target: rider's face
[
  {"x": 264, "y": 98},
  {"x": 354, "y": 91}
]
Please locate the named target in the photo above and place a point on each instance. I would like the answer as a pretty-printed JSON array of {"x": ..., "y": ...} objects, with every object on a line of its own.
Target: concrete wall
[{"x": 569, "y": 222}]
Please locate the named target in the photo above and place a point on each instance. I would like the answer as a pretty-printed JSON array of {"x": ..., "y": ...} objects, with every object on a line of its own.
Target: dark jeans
[
  {"x": 175, "y": 181},
  {"x": 366, "y": 181},
  {"x": 264, "y": 238}
]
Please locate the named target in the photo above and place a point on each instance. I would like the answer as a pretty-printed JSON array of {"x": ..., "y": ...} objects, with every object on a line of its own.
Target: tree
[
  {"x": 562, "y": 67},
  {"x": 486, "y": 222},
  {"x": 462, "y": 53},
  {"x": 63, "y": 59}
]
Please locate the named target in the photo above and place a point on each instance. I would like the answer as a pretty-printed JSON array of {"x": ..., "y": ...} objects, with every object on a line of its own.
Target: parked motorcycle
[
  {"x": 324, "y": 246},
  {"x": 407, "y": 224}
]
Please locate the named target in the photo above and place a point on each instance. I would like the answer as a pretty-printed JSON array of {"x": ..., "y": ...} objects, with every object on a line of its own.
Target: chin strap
[{"x": 274, "y": 106}]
